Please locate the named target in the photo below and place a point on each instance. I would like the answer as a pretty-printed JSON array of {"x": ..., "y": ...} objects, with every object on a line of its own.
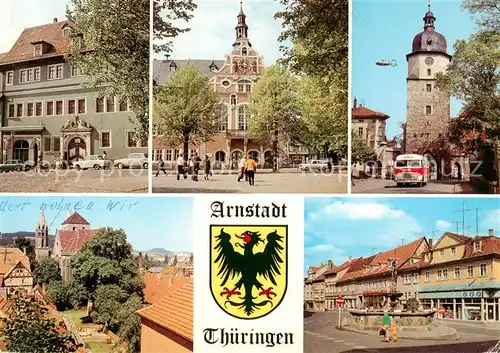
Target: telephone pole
[
  {"x": 477, "y": 218},
  {"x": 463, "y": 210},
  {"x": 456, "y": 223}
]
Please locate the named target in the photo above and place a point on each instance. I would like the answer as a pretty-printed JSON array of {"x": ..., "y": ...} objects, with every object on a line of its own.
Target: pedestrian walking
[
  {"x": 180, "y": 167},
  {"x": 242, "y": 165},
  {"x": 250, "y": 170},
  {"x": 161, "y": 167},
  {"x": 207, "y": 168},
  {"x": 386, "y": 326},
  {"x": 40, "y": 161},
  {"x": 329, "y": 165},
  {"x": 354, "y": 174},
  {"x": 104, "y": 155},
  {"x": 196, "y": 166}
]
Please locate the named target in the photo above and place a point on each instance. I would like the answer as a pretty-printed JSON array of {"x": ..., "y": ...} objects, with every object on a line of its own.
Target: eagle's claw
[
  {"x": 267, "y": 292},
  {"x": 228, "y": 293}
]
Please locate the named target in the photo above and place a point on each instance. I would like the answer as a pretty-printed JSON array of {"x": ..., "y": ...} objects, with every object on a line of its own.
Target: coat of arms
[{"x": 248, "y": 273}]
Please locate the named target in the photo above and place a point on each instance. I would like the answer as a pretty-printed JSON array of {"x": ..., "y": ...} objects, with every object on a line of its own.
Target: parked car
[
  {"x": 133, "y": 160},
  {"x": 14, "y": 165},
  {"x": 313, "y": 165},
  {"x": 93, "y": 161}
]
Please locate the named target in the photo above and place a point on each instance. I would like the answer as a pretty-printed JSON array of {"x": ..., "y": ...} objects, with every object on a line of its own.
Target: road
[
  {"x": 322, "y": 336},
  {"x": 72, "y": 181},
  {"x": 283, "y": 182},
  {"x": 384, "y": 186}
]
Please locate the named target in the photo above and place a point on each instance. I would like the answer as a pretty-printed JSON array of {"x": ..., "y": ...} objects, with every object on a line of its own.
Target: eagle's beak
[{"x": 245, "y": 237}]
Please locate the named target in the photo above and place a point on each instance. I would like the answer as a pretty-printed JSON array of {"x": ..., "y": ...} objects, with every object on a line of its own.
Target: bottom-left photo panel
[{"x": 96, "y": 274}]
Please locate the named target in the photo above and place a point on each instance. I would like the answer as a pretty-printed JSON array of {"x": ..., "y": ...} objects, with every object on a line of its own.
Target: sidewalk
[
  {"x": 439, "y": 333},
  {"x": 487, "y": 325}
]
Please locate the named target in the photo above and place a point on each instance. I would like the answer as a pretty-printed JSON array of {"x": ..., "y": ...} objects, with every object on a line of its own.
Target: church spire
[
  {"x": 41, "y": 224},
  {"x": 241, "y": 29},
  {"x": 429, "y": 19}
]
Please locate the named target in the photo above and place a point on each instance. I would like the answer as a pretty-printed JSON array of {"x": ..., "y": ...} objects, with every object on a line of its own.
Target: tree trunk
[
  {"x": 275, "y": 152},
  {"x": 186, "y": 147}
]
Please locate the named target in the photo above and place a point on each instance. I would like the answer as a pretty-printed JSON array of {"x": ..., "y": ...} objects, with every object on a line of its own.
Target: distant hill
[
  {"x": 9, "y": 238},
  {"x": 159, "y": 251}
]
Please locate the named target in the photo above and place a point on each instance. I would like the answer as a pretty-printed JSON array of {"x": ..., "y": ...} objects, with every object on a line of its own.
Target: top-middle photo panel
[{"x": 250, "y": 97}]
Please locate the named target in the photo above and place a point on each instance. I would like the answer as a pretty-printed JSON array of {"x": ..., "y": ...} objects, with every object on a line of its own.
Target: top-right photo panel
[{"x": 425, "y": 97}]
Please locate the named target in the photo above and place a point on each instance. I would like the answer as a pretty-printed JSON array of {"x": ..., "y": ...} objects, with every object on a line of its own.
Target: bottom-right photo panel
[{"x": 402, "y": 275}]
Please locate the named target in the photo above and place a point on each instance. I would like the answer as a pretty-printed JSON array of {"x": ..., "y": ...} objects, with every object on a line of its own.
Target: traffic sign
[
  {"x": 442, "y": 310},
  {"x": 340, "y": 300}
]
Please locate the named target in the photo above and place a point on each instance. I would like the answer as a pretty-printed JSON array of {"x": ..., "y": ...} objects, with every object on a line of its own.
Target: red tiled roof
[
  {"x": 73, "y": 240},
  {"x": 50, "y": 33},
  {"x": 363, "y": 112},
  {"x": 341, "y": 267},
  {"x": 9, "y": 258},
  {"x": 489, "y": 245},
  {"x": 75, "y": 218},
  {"x": 358, "y": 266},
  {"x": 401, "y": 253},
  {"x": 159, "y": 286},
  {"x": 174, "y": 312}
]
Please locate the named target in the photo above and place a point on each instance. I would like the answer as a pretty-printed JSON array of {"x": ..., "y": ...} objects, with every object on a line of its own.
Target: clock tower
[{"x": 428, "y": 108}]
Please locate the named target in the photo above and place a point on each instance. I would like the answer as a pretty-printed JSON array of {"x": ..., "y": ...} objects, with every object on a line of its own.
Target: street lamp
[{"x": 384, "y": 62}]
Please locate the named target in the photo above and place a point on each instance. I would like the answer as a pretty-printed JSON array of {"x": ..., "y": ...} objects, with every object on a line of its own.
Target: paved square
[
  {"x": 384, "y": 186},
  {"x": 71, "y": 181},
  {"x": 283, "y": 182}
]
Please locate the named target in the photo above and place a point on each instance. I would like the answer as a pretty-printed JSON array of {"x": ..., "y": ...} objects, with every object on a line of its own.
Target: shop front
[{"x": 476, "y": 305}]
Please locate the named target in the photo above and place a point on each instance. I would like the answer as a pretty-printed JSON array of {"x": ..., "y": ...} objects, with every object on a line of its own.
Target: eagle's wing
[
  {"x": 230, "y": 261},
  {"x": 268, "y": 262}
]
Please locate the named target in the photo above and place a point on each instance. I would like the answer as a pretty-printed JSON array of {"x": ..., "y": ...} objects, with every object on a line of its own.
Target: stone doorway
[
  {"x": 76, "y": 149},
  {"x": 433, "y": 165}
]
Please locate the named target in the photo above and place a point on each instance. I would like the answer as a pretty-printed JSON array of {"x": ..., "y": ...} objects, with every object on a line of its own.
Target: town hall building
[{"x": 233, "y": 79}]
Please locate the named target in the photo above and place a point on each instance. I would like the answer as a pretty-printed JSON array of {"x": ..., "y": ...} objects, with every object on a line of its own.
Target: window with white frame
[
  {"x": 439, "y": 275},
  {"x": 19, "y": 109},
  {"x": 427, "y": 257},
  {"x": 223, "y": 116},
  {"x": 441, "y": 254},
  {"x": 75, "y": 71},
  {"x": 477, "y": 246},
  {"x": 168, "y": 155},
  {"x": 457, "y": 272},
  {"x": 427, "y": 276},
  {"x": 445, "y": 274},
  {"x": 407, "y": 279},
  {"x": 243, "y": 116},
  {"x": 470, "y": 271},
  {"x": 82, "y": 105},
  {"x": 157, "y": 154},
  {"x": 49, "y": 108},
  {"x": 99, "y": 105},
  {"x": 30, "y": 111},
  {"x": 29, "y": 75},
  {"x": 131, "y": 139},
  {"x": 110, "y": 105},
  {"x": 38, "y": 50},
  {"x": 47, "y": 144},
  {"x": 482, "y": 270},
  {"x": 9, "y": 78},
  {"x": 233, "y": 99},
  {"x": 71, "y": 108},
  {"x": 56, "y": 143},
  {"x": 415, "y": 278},
  {"x": 55, "y": 72},
  {"x": 453, "y": 251},
  {"x": 244, "y": 86},
  {"x": 122, "y": 106},
  {"x": 38, "y": 109},
  {"x": 34, "y": 109}
]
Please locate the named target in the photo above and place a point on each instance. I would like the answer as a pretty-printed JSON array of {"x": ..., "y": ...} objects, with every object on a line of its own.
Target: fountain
[{"x": 411, "y": 318}]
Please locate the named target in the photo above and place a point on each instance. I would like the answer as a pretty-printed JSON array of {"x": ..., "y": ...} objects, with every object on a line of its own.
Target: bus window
[
  {"x": 401, "y": 164},
  {"x": 414, "y": 164}
]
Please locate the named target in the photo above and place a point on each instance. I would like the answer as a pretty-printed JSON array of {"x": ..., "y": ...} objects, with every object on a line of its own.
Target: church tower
[
  {"x": 42, "y": 239},
  {"x": 428, "y": 109}
]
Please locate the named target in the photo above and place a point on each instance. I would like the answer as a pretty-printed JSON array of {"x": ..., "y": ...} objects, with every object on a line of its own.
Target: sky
[
  {"x": 336, "y": 228},
  {"x": 384, "y": 30},
  {"x": 212, "y": 30},
  {"x": 149, "y": 222},
  {"x": 16, "y": 15}
]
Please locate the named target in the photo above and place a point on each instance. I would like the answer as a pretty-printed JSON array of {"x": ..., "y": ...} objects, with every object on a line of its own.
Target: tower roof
[
  {"x": 75, "y": 218},
  {"x": 41, "y": 221},
  {"x": 429, "y": 40},
  {"x": 241, "y": 29}
]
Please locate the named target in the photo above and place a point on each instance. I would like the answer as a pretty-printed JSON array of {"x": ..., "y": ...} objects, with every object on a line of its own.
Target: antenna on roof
[{"x": 402, "y": 241}]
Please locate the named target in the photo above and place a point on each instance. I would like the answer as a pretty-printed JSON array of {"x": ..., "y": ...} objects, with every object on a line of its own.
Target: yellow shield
[{"x": 248, "y": 268}]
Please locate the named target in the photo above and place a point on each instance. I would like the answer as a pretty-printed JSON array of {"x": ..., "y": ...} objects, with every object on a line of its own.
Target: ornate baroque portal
[{"x": 76, "y": 139}]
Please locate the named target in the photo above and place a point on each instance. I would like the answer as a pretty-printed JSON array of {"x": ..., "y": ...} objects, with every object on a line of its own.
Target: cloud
[
  {"x": 357, "y": 210},
  {"x": 443, "y": 225}
]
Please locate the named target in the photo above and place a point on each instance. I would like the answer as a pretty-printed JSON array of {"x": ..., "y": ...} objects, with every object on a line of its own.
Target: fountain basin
[{"x": 405, "y": 320}]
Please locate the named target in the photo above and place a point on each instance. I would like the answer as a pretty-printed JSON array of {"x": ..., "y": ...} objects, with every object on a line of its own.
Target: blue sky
[
  {"x": 212, "y": 30},
  {"x": 336, "y": 228},
  {"x": 385, "y": 30},
  {"x": 150, "y": 222}
]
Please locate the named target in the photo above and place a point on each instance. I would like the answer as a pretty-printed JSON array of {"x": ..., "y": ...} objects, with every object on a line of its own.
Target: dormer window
[
  {"x": 244, "y": 51},
  {"x": 77, "y": 42},
  {"x": 38, "y": 50},
  {"x": 66, "y": 31},
  {"x": 477, "y": 246},
  {"x": 173, "y": 67}
]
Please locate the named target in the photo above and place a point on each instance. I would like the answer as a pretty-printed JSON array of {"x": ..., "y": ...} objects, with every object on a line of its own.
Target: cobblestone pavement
[
  {"x": 284, "y": 182},
  {"x": 322, "y": 336},
  {"x": 71, "y": 181},
  {"x": 381, "y": 186}
]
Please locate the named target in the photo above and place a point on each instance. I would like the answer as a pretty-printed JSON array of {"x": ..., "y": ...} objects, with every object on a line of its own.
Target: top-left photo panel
[{"x": 74, "y": 96}]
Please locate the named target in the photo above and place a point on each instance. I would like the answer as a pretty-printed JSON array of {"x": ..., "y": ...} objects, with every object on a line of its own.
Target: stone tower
[
  {"x": 428, "y": 109},
  {"x": 42, "y": 250}
]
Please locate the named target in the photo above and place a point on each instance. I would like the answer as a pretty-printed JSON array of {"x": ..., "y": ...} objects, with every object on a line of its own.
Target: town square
[
  {"x": 247, "y": 103},
  {"x": 425, "y": 109},
  {"x": 79, "y": 275},
  {"x": 420, "y": 276}
]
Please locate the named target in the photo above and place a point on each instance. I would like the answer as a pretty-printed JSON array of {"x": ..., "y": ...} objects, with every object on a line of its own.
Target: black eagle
[{"x": 248, "y": 266}]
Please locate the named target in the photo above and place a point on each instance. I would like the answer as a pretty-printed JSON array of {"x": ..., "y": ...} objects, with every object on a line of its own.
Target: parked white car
[
  {"x": 314, "y": 165},
  {"x": 93, "y": 161},
  {"x": 133, "y": 160}
]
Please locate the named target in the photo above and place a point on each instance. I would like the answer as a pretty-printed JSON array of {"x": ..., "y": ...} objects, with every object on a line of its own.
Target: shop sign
[{"x": 472, "y": 294}]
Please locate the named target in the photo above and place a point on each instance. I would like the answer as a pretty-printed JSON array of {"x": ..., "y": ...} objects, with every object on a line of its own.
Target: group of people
[
  {"x": 191, "y": 166},
  {"x": 247, "y": 168}
]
